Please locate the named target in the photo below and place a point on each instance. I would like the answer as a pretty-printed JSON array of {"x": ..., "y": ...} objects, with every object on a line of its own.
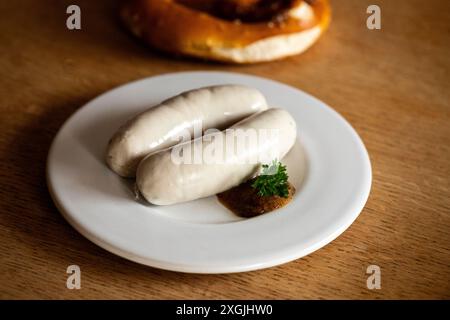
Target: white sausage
[
  {"x": 155, "y": 129},
  {"x": 162, "y": 181}
]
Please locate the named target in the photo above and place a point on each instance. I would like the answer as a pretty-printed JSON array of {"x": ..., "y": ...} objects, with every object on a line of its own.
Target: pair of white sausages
[{"x": 142, "y": 145}]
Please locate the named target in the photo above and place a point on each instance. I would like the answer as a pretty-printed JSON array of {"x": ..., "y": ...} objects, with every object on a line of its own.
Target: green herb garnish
[{"x": 273, "y": 180}]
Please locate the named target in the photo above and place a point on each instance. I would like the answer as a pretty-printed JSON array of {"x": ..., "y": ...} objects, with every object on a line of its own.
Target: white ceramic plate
[{"x": 330, "y": 167}]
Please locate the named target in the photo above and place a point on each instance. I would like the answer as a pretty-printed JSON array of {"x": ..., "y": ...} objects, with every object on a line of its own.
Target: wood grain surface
[{"x": 391, "y": 84}]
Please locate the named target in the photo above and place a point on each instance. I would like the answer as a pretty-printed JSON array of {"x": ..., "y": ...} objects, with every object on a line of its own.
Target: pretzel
[{"x": 238, "y": 31}]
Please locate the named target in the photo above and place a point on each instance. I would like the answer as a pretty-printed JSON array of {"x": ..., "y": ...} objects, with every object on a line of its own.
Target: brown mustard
[{"x": 245, "y": 202}]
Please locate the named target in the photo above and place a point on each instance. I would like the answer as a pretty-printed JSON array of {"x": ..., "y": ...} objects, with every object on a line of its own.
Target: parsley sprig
[{"x": 273, "y": 180}]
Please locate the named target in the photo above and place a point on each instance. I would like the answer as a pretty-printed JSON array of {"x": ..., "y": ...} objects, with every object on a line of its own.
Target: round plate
[{"x": 330, "y": 166}]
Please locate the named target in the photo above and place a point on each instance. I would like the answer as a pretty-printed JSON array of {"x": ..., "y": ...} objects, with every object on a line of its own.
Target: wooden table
[{"x": 391, "y": 84}]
